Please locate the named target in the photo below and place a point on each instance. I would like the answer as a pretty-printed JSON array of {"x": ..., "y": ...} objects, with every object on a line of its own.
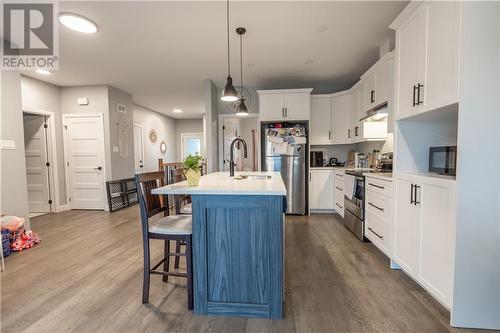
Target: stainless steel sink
[{"x": 257, "y": 177}]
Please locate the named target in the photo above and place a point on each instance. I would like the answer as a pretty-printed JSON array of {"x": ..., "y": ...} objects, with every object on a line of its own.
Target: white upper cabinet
[
  {"x": 427, "y": 51},
  {"x": 321, "y": 119},
  {"x": 384, "y": 80},
  {"x": 368, "y": 101},
  {"x": 341, "y": 117},
  {"x": 283, "y": 105}
]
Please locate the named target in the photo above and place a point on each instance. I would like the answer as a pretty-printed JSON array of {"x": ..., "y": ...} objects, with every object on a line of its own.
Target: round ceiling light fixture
[
  {"x": 43, "y": 71},
  {"x": 78, "y": 23}
]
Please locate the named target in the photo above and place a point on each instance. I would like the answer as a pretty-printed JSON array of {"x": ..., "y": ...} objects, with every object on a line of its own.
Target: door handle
[
  {"x": 98, "y": 168},
  {"x": 418, "y": 94}
]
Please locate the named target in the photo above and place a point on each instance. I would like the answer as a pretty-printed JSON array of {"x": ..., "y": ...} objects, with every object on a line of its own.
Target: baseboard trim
[{"x": 62, "y": 208}]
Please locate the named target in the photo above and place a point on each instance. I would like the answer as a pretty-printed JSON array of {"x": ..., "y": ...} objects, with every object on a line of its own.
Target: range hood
[{"x": 380, "y": 113}]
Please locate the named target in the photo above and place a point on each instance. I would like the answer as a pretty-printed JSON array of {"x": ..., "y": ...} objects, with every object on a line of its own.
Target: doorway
[
  {"x": 192, "y": 144},
  {"x": 232, "y": 126},
  {"x": 85, "y": 160},
  {"x": 38, "y": 164}
]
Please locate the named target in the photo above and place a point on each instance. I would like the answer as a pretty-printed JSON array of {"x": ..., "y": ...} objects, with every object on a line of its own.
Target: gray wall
[
  {"x": 210, "y": 125},
  {"x": 39, "y": 95},
  {"x": 98, "y": 103},
  {"x": 186, "y": 126},
  {"x": 165, "y": 129},
  {"x": 476, "y": 297},
  {"x": 121, "y": 167},
  {"x": 14, "y": 192}
]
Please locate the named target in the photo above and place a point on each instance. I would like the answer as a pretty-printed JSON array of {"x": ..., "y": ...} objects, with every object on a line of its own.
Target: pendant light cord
[
  {"x": 228, "y": 58},
  {"x": 241, "y": 64}
]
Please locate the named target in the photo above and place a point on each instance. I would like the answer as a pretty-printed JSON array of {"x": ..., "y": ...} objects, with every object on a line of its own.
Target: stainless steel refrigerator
[{"x": 284, "y": 149}]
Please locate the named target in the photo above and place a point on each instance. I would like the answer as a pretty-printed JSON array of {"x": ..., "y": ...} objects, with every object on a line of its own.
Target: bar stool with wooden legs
[{"x": 168, "y": 228}]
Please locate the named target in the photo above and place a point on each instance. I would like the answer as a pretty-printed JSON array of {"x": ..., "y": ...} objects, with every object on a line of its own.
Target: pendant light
[
  {"x": 241, "y": 109},
  {"x": 229, "y": 92}
]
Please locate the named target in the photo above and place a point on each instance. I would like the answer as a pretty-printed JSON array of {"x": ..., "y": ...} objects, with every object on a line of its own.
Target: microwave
[{"x": 443, "y": 160}]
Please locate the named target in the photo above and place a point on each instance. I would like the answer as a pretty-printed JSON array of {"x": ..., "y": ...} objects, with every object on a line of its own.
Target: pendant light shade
[
  {"x": 241, "y": 109},
  {"x": 229, "y": 92}
]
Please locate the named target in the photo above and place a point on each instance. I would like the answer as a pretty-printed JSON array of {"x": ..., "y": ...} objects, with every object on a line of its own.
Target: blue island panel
[{"x": 238, "y": 255}]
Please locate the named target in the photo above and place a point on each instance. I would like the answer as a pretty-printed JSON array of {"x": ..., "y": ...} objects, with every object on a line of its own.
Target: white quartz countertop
[{"x": 219, "y": 183}]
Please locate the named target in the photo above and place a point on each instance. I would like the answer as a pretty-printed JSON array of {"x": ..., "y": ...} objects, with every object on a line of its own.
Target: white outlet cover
[
  {"x": 116, "y": 149},
  {"x": 8, "y": 145}
]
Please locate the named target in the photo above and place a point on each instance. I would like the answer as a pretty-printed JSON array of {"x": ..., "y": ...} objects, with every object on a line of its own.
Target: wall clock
[{"x": 153, "y": 136}]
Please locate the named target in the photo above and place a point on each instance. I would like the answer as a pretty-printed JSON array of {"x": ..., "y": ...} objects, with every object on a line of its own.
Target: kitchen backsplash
[{"x": 340, "y": 151}]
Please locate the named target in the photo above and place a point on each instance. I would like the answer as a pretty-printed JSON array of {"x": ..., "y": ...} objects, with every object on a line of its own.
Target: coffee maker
[{"x": 316, "y": 159}]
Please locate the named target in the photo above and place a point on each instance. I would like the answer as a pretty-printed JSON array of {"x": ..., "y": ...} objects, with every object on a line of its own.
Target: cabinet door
[
  {"x": 409, "y": 61},
  {"x": 369, "y": 97},
  {"x": 437, "y": 234},
  {"x": 298, "y": 106},
  {"x": 320, "y": 125},
  {"x": 321, "y": 189},
  {"x": 271, "y": 107},
  {"x": 442, "y": 50},
  {"x": 355, "y": 115},
  {"x": 406, "y": 228},
  {"x": 384, "y": 78},
  {"x": 341, "y": 118}
]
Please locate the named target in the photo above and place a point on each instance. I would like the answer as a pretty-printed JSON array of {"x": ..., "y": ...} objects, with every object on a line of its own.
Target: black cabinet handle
[
  {"x": 414, "y": 89},
  {"x": 418, "y": 94},
  {"x": 329, "y": 135},
  {"x": 338, "y": 205},
  {"x": 379, "y": 236},
  {"x": 338, "y": 188},
  {"x": 411, "y": 194},
  {"x": 415, "y": 188},
  {"x": 349, "y": 133},
  {"x": 375, "y": 206},
  {"x": 356, "y": 131},
  {"x": 372, "y": 96},
  {"x": 377, "y": 186}
]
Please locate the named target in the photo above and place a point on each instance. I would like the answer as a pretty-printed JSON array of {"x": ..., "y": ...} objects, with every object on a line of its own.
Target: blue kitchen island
[{"x": 238, "y": 243}]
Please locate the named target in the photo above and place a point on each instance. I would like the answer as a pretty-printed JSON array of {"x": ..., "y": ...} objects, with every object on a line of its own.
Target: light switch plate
[
  {"x": 8, "y": 145},
  {"x": 83, "y": 101},
  {"x": 116, "y": 149}
]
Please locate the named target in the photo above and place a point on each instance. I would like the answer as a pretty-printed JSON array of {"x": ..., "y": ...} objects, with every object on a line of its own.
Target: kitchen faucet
[{"x": 231, "y": 154}]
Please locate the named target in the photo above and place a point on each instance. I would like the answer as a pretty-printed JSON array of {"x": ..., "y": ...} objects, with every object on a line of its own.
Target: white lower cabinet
[
  {"x": 321, "y": 193},
  {"x": 424, "y": 232},
  {"x": 339, "y": 192},
  {"x": 379, "y": 222}
]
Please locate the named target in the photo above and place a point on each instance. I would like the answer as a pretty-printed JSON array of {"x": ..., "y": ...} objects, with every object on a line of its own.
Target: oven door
[{"x": 356, "y": 205}]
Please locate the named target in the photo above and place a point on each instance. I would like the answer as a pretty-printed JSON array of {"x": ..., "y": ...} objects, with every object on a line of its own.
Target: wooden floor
[{"x": 86, "y": 277}]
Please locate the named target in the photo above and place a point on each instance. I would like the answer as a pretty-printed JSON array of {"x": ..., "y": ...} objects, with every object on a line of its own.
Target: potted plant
[{"x": 192, "y": 169}]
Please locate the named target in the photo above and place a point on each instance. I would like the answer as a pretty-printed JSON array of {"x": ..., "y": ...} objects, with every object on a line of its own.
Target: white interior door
[
  {"x": 84, "y": 143},
  {"x": 37, "y": 176},
  {"x": 138, "y": 149}
]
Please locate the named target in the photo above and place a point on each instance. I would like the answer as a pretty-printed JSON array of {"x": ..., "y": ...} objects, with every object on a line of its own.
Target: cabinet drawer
[
  {"x": 379, "y": 232},
  {"x": 379, "y": 186},
  {"x": 339, "y": 177},
  {"x": 379, "y": 204}
]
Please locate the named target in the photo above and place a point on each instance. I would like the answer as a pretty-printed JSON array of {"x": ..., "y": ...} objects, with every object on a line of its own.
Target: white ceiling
[{"x": 161, "y": 52}]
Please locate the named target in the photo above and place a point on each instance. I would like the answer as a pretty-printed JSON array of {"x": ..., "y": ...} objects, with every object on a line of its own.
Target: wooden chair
[
  {"x": 168, "y": 228},
  {"x": 182, "y": 202}
]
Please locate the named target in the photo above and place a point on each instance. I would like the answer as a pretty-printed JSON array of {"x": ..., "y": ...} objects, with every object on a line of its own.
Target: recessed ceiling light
[
  {"x": 78, "y": 23},
  {"x": 177, "y": 111},
  {"x": 42, "y": 71}
]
